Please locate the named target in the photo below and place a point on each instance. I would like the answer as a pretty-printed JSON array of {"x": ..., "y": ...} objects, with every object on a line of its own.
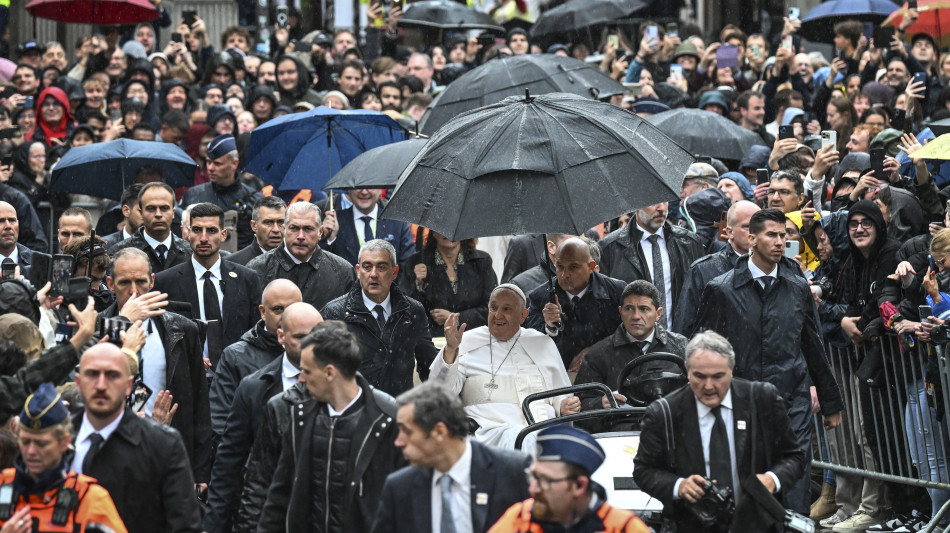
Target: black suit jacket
[
  {"x": 242, "y": 294},
  {"x": 405, "y": 506},
  {"x": 145, "y": 468},
  {"x": 34, "y": 266},
  {"x": 244, "y": 255},
  {"x": 347, "y": 244},
  {"x": 658, "y": 463},
  {"x": 178, "y": 253}
]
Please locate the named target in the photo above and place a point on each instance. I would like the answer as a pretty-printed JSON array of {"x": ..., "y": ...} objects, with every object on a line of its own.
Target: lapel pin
[
  {"x": 740, "y": 424},
  {"x": 481, "y": 498},
  {"x": 232, "y": 274}
]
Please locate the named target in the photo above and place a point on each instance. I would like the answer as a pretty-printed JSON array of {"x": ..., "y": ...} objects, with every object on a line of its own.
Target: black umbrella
[
  {"x": 106, "y": 169},
  {"x": 378, "y": 168},
  {"x": 496, "y": 80},
  {"x": 582, "y": 14},
  {"x": 555, "y": 163},
  {"x": 446, "y": 15},
  {"x": 706, "y": 133}
]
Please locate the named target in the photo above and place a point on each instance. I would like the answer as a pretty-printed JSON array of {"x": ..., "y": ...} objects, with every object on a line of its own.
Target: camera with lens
[
  {"x": 821, "y": 288},
  {"x": 716, "y": 507},
  {"x": 940, "y": 334}
]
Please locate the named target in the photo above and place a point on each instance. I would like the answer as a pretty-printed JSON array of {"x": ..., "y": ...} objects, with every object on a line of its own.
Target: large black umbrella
[
  {"x": 496, "y": 80},
  {"x": 581, "y": 14},
  {"x": 555, "y": 163},
  {"x": 446, "y": 15},
  {"x": 706, "y": 133},
  {"x": 106, "y": 169},
  {"x": 378, "y": 168}
]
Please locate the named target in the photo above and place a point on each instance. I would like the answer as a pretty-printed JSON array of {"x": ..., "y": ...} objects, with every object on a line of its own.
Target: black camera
[
  {"x": 822, "y": 288},
  {"x": 940, "y": 334},
  {"x": 716, "y": 507}
]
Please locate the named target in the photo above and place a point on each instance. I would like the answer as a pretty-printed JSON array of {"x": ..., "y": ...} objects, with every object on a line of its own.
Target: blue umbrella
[
  {"x": 106, "y": 169},
  {"x": 303, "y": 150},
  {"x": 818, "y": 25}
]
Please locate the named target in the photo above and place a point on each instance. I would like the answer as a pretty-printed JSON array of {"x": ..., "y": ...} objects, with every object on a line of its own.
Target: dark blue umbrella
[
  {"x": 818, "y": 25},
  {"x": 303, "y": 150},
  {"x": 106, "y": 169}
]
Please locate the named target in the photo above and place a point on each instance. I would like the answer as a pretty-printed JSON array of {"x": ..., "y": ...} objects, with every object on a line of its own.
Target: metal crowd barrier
[{"x": 896, "y": 428}]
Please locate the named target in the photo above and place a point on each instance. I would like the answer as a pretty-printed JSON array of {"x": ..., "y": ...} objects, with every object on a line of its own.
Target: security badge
[
  {"x": 740, "y": 424},
  {"x": 481, "y": 498}
]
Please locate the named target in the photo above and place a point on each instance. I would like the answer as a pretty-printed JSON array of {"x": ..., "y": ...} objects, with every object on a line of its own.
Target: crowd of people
[{"x": 302, "y": 364}]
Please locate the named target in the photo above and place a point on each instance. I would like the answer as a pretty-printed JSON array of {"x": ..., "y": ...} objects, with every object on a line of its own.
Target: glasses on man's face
[
  {"x": 865, "y": 223},
  {"x": 51, "y": 103},
  {"x": 543, "y": 481}
]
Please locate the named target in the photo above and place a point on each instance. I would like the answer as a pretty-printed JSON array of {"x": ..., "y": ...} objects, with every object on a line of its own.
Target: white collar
[
  {"x": 334, "y": 412},
  {"x": 703, "y": 410},
  {"x": 86, "y": 428},
  {"x": 372, "y": 214},
  {"x": 758, "y": 273},
  {"x": 126, "y": 234},
  {"x": 580, "y": 294},
  {"x": 461, "y": 471},
  {"x": 200, "y": 269},
  {"x": 649, "y": 338},
  {"x": 294, "y": 258},
  {"x": 645, "y": 233},
  {"x": 288, "y": 369},
  {"x": 387, "y": 303},
  {"x": 14, "y": 255},
  {"x": 154, "y": 243}
]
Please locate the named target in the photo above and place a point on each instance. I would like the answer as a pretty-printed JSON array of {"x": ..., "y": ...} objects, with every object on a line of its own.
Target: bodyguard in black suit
[
  {"x": 34, "y": 266},
  {"x": 267, "y": 223},
  {"x": 586, "y": 307},
  {"x": 348, "y": 234},
  {"x": 163, "y": 248},
  {"x": 495, "y": 478},
  {"x": 235, "y": 290},
  {"x": 746, "y": 427}
]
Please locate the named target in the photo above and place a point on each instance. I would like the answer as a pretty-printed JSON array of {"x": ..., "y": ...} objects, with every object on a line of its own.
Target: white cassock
[{"x": 494, "y": 379}]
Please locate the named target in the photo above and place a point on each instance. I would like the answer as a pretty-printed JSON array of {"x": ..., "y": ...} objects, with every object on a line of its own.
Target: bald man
[
  {"x": 34, "y": 266},
  {"x": 247, "y": 412},
  {"x": 273, "y": 415},
  {"x": 704, "y": 269},
  {"x": 256, "y": 348},
  {"x": 142, "y": 464},
  {"x": 585, "y": 304}
]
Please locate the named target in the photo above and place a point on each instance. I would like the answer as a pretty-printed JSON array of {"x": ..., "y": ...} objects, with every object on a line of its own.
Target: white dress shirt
[
  {"x": 14, "y": 256},
  {"x": 387, "y": 305},
  {"x": 82, "y": 439},
  {"x": 154, "y": 243},
  {"x": 152, "y": 362},
  {"x": 667, "y": 273},
  {"x": 461, "y": 474},
  {"x": 288, "y": 373},
  {"x": 758, "y": 273}
]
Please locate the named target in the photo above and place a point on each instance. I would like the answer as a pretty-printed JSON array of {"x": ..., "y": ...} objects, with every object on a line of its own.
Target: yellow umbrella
[{"x": 938, "y": 148}]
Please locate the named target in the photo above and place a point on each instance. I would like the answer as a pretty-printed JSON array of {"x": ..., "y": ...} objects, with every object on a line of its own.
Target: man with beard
[
  {"x": 267, "y": 223},
  {"x": 651, "y": 248},
  {"x": 220, "y": 292},
  {"x": 131, "y": 215},
  {"x": 390, "y": 96},
  {"x": 142, "y": 464}
]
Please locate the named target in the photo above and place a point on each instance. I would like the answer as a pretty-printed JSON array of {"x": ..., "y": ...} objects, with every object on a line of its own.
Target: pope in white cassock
[{"x": 495, "y": 367}]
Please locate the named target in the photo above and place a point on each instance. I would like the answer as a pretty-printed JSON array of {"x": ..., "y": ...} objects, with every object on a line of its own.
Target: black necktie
[
  {"x": 212, "y": 312},
  {"x": 380, "y": 317},
  {"x": 659, "y": 280},
  {"x": 720, "y": 461},
  {"x": 96, "y": 441},
  {"x": 767, "y": 282},
  {"x": 367, "y": 228},
  {"x": 644, "y": 346},
  {"x": 162, "y": 252}
]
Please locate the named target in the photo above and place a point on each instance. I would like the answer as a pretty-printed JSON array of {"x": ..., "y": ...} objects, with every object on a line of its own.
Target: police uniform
[
  {"x": 569, "y": 444},
  {"x": 60, "y": 500}
]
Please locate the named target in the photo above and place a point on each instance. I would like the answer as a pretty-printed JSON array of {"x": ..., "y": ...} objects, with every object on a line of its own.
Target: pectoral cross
[{"x": 491, "y": 386}]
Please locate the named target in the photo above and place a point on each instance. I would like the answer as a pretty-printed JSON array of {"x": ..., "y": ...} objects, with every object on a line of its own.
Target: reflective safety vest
[
  {"x": 517, "y": 519},
  {"x": 65, "y": 509}
]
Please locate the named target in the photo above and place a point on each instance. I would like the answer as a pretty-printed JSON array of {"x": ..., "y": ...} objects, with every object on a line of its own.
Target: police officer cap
[
  {"x": 221, "y": 145},
  {"x": 570, "y": 444},
  {"x": 43, "y": 409}
]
